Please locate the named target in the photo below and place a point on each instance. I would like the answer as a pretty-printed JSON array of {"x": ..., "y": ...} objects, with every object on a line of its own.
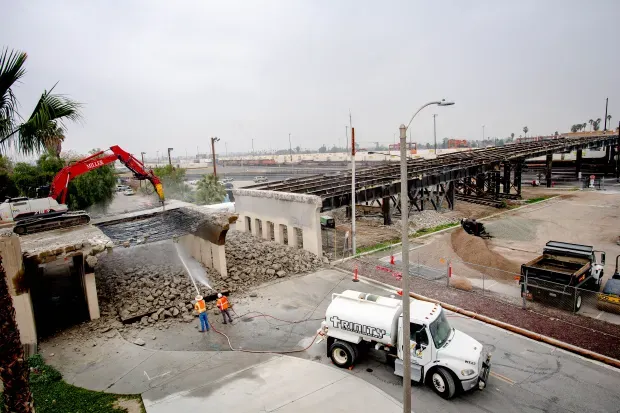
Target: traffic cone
[
  {"x": 399, "y": 292},
  {"x": 355, "y": 279},
  {"x": 392, "y": 259}
]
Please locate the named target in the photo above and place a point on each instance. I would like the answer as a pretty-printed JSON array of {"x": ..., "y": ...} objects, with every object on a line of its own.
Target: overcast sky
[{"x": 158, "y": 74}]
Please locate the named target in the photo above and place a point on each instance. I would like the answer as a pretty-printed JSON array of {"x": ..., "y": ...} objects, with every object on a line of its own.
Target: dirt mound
[{"x": 475, "y": 250}]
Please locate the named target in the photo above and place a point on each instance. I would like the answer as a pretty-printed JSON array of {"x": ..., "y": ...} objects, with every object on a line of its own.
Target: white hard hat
[
  {"x": 219, "y": 295},
  {"x": 198, "y": 297}
]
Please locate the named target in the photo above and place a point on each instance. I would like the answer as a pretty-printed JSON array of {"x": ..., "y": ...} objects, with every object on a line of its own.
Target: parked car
[
  {"x": 128, "y": 192},
  {"x": 227, "y": 179},
  {"x": 259, "y": 179}
]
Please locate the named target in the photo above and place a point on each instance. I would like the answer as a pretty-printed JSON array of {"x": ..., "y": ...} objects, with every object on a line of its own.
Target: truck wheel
[
  {"x": 577, "y": 302},
  {"x": 443, "y": 383},
  {"x": 342, "y": 354}
]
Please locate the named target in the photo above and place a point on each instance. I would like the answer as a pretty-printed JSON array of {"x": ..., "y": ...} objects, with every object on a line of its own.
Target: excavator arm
[{"x": 60, "y": 183}]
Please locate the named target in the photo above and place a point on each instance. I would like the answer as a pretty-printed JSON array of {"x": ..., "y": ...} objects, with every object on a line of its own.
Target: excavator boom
[
  {"x": 60, "y": 184},
  {"x": 42, "y": 216}
]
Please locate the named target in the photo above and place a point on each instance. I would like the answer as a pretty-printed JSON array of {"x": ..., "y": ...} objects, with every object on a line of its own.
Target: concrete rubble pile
[
  {"x": 148, "y": 284},
  {"x": 253, "y": 261}
]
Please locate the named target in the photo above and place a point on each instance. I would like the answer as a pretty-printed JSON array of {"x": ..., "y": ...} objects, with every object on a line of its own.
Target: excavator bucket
[{"x": 160, "y": 191}]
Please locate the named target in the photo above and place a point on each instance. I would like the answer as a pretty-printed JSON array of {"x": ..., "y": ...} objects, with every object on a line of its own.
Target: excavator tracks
[{"x": 41, "y": 222}]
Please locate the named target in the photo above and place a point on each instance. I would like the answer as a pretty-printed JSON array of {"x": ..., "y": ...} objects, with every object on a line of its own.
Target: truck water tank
[{"x": 353, "y": 315}]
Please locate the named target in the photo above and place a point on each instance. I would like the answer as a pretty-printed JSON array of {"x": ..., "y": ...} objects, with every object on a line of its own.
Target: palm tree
[
  {"x": 609, "y": 120},
  {"x": 597, "y": 124},
  {"x": 525, "y": 130},
  {"x": 13, "y": 367},
  {"x": 584, "y": 126},
  {"x": 591, "y": 122},
  {"x": 209, "y": 190},
  {"x": 44, "y": 126}
]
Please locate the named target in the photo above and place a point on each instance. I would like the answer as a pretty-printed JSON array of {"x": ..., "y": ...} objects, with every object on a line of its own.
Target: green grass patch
[
  {"x": 420, "y": 232},
  {"x": 53, "y": 395},
  {"x": 424, "y": 231},
  {"x": 384, "y": 244},
  {"x": 534, "y": 200}
]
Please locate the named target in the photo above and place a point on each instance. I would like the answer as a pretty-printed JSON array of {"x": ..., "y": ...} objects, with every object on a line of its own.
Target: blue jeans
[{"x": 204, "y": 321}]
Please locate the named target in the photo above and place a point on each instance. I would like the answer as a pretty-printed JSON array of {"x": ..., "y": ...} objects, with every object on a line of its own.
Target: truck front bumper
[{"x": 481, "y": 380}]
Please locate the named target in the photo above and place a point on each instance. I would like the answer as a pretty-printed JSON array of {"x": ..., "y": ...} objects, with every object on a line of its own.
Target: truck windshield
[{"x": 440, "y": 330}]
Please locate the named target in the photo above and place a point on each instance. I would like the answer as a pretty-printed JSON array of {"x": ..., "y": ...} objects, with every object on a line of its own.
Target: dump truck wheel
[
  {"x": 342, "y": 354},
  {"x": 443, "y": 383}
]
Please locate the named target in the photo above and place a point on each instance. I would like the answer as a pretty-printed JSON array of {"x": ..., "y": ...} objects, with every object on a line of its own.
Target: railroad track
[{"x": 497, "y": 203}]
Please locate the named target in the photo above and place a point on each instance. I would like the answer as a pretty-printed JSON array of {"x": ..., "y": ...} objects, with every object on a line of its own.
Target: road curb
[{"x": 514, "y": 329}]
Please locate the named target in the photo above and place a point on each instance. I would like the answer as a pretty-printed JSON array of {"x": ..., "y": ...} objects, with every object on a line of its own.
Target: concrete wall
[
  {"x": 209, "y": 254},
  {"x": 283, "y": 210},
  {"x": 12, "y": 261}
]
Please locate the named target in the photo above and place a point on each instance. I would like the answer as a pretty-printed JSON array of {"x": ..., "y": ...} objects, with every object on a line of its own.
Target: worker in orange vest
[
  {"x": 201, "y": 309},
  {"x": 222, "y": 304}
]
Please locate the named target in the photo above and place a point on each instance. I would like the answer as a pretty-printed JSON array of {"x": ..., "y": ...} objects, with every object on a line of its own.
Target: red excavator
[{"x": 34, "y": 215}]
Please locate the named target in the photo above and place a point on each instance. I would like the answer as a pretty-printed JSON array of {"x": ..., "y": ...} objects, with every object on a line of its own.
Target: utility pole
[
  {"x": 290, "y": 148},
  {"x": 142, "y": 154},
  {"x": 169, "y": 158},
  {"x": 213, "y": 140},
  {"x": 435, "y": 132},
  {"x": 404, "y": 209},
  {"x": 606, "y": 103}
]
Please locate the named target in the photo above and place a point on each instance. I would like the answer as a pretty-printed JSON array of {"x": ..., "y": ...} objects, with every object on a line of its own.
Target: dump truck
[
  {"x": 562, "y": 273},
  {"x": 448, "y": 360}
]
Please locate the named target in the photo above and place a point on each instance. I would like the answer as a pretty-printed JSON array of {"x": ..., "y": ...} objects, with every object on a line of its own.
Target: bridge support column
[
  {"x": 480, "y": 184},
  {"x": 496, "y": 179},
  {"x": 548, "y": 169},
  {"x": 450, "y": 194},
  {"x": 611, "y": 161},
  {"x": 517, "y": 181},
  {"x": 385, "y": 209},
  {"x": 608, "y": 157},
  {"x": 506, "y": 181},
  {"x": 578, "y": 163}
]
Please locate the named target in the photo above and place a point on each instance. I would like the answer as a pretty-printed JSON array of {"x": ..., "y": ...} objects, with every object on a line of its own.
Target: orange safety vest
[
  {"x": 200, "y": 306},
  {"x": 222, "y": 303}
]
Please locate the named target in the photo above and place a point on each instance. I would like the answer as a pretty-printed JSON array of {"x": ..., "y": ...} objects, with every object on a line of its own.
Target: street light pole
[
  {"x": 404, "y": 211},
  {"x": 405, "y": 277},
  {"x": 353, "y": 243},
  {"x": 435, "y": 132},
  {"x": 213, "y": 140}
]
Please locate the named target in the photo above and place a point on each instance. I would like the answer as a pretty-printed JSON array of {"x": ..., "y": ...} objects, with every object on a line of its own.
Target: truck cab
[{"x": 441, "y": 356}]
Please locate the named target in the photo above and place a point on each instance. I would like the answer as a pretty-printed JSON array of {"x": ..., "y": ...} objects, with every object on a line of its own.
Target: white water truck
[{"x": 448, "y": 360}]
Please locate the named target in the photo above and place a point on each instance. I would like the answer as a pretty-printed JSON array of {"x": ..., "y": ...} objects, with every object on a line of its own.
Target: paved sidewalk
[{"x": 178, "y": 381}]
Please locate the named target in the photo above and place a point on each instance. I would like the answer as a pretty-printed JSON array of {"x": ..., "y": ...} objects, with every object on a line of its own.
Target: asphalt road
[{"x": 526, "y": 376}]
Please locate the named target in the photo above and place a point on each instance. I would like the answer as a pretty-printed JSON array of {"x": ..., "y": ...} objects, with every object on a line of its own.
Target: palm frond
[
  {"x": 11, "y": 71},
  {"x": 48, "y": 115}
]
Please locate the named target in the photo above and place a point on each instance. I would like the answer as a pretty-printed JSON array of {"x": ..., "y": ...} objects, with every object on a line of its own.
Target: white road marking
[{"x": 153, "y": 378}]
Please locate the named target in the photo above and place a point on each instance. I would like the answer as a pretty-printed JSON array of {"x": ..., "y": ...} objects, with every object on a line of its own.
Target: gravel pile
[{"x": 512, "y": 228}]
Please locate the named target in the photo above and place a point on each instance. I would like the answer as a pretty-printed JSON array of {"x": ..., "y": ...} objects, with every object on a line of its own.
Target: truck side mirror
[{"x": 418, "y": 340}]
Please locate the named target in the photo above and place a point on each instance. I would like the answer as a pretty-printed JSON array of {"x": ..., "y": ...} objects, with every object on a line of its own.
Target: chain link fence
[{"x": 493, "y": 283}]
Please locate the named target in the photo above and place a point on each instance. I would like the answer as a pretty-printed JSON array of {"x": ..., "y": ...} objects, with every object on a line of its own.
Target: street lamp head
[{"x": 445, "y": 103}]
